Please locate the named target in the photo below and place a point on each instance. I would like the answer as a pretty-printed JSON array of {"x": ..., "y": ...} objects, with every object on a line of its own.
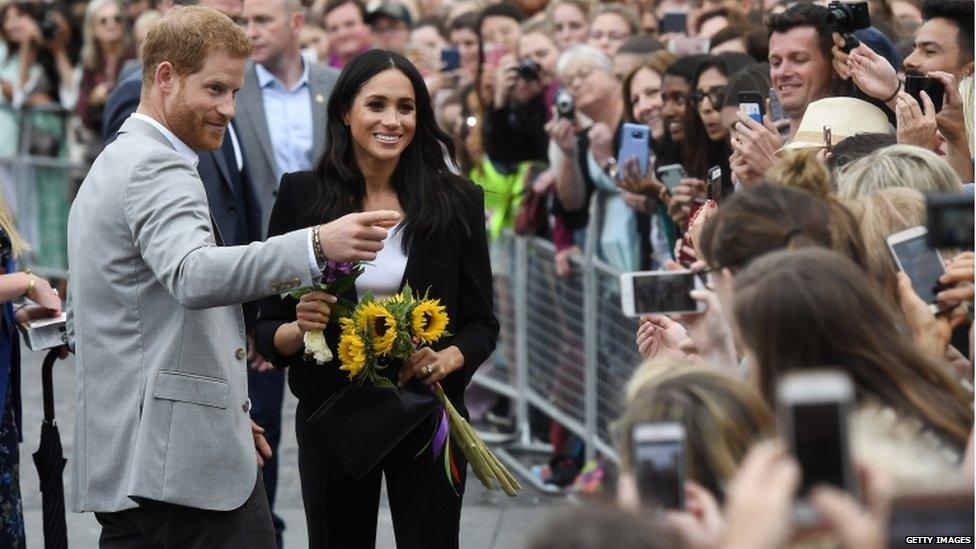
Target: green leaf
[{"x": 384, "y": 383}]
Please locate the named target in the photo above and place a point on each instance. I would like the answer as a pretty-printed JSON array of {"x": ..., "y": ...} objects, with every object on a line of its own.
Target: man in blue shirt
[{"x": 281, "y": 116}]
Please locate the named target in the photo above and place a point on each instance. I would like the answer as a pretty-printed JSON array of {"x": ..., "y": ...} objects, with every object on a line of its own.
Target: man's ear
[
  {"x": 297, "y": 21},
  {"x": 967, "y": 69},
  {"x": 166, "y": 77}
]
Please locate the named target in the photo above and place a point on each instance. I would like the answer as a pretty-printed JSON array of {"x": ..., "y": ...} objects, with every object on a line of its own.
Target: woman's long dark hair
[
  {"x": 431, "y": 194},
  {"x": 700, "y": 153}
]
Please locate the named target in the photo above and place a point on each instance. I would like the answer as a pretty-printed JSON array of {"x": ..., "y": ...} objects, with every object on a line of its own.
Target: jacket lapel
[
  {"x": 426, "y": 265},
  {"x": 252, "y": 103}
]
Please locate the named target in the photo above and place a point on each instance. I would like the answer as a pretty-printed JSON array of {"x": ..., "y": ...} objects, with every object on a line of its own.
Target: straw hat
[{"x": 846, "y": 116}]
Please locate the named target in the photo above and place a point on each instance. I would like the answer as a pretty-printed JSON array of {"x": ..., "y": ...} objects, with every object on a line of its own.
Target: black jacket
[{"x": 456, "y": 270}]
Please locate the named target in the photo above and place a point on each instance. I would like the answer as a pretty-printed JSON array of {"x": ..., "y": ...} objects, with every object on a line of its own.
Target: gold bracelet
[{"x": 30, "y": 286}]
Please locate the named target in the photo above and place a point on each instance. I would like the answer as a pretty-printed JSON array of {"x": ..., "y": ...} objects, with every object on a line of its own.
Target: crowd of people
[{"x": 786, "y": 213}]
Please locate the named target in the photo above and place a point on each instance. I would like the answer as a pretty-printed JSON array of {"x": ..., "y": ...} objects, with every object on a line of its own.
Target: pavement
[{"x": 489, "y": 519}]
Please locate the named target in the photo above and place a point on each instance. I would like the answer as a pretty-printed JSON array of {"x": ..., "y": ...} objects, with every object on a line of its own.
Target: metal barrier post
[
  {"x": 590, "y": 290},
  {"x": 521, "y": 341}
]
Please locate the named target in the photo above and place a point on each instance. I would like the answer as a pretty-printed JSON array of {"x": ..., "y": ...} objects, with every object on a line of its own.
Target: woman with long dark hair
[
  {"x": 706, "y": 138},
  {"x": 385, "y": 152}
]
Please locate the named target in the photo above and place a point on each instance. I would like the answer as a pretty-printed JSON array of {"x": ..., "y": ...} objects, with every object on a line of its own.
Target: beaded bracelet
[{"x": 317, "y": 246}]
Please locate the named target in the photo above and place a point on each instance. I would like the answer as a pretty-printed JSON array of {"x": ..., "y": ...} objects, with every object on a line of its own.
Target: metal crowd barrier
[
  {"x": 565, "y": 348},
  {"x": 38, "y": 179}
]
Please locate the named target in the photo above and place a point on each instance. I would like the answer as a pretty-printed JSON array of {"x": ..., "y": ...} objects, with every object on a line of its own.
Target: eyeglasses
[
  {"x": 580, "y": 75},
  {"x": 113, "y": 18},
  {"x": 616, "y": 36},
  {"x": 715, "y": 95}
]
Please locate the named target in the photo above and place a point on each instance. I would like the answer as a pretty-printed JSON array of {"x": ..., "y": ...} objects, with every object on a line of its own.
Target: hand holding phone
[
  {"x": 671, "y": 175},
  {"x": 914, "y": 256},
  {"x": 650, "y": 292},
  {"x": 634, "y": 143},
  {"x": 753, "y": 105},
  {"x": 813, "y": 408},
  {"x": 660, "y": 464}
]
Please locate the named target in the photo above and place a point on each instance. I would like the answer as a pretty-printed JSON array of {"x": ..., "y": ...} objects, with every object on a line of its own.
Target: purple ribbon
[{"x": 440, "y": 437}]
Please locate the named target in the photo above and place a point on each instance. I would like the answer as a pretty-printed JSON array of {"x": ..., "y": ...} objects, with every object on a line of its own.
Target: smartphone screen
[
  {"x": 751, "y": 103},
  {"x": 450, "y": 59},
  {"x": 635, "y": 143},
  {"x": 657, "y": 468},
  {"x": 674, "y": 21},
  {"x": 922, "y": 264},
  {"x": 664, "y": 293},
  {"x": 818, "y": 444},
  {"x": 671, "y": 175}
]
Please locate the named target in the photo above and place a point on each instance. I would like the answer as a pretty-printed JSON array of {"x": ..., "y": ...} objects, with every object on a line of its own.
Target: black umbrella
[{"x": 49, "y": 459}]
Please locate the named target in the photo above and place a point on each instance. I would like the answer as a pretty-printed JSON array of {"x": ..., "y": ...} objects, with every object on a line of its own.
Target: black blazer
[{"x": 456, "y": 269}]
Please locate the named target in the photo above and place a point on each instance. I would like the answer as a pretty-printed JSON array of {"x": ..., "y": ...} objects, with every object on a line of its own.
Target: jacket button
[
  {"x": 247, "y": 406},
  {"x": 240, "y": 353}
]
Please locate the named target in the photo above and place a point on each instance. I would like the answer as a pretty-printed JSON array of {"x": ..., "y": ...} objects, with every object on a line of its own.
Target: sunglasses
[{"x": 715, "y": 95}]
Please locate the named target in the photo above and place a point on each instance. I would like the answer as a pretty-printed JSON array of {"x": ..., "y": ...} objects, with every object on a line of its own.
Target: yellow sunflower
[
  {"x": 429, "y": 320},
  {"x": 352, "y": 353},
  {"x": 381, "y": 325}
]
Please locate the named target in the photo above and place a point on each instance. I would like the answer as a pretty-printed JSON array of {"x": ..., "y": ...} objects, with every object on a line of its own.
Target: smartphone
[
  {"x": 933, "y": 88},
  {"x": 813, "y": 408},
  {"x": 494, "y": 54},
  {"x": 635, "y": 143},
  {"x": 777, "y": 113},
  {"x": 713, "y": 187},
  {"x": 688, "y": 45},
  {"x": 950, "y": 219},
  {"x": 671, "y": 175},
  {"x": 660, "y": 464},
  {"x": 450, "y": 59},
  {"x": 828, "y": 139},
  {"x": 753, "y": 105},
  {"x": 921, "y": 262},
  {"x": 649, "y": 292},
  {"x": 674, "y": 21},
  {"x": 947, "y": 513}
]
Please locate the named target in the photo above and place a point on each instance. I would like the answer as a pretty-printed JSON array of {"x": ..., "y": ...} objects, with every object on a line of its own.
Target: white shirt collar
[
  {"x": 177, "y": 143},
  {"x": 265, "y": 77}
]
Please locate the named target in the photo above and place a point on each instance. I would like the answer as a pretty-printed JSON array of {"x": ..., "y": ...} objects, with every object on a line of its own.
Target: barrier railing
[
  {"x": 565, "y": 347},
  {"x": 38, "y": 179}
]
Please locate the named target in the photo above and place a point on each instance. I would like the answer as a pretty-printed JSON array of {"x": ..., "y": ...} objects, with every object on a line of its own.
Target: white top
[{"x": 382, "y": 276}]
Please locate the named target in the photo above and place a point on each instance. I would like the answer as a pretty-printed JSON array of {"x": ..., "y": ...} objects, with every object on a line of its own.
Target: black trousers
[
  {"x": 267, "y": 393},
  {"x": 159, "y": 525},
  {"x": 341, "y": 512}
]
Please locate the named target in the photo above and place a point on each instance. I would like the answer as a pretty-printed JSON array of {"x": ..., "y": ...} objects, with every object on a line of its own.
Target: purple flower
[{"x": 334, "y": 271}]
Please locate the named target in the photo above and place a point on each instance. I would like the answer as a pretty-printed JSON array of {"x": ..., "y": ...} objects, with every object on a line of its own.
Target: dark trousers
[
  {"x": 159, "y": 525},
  {"x": 267, "y": 391},
  {"x": 341, "y": 512}
]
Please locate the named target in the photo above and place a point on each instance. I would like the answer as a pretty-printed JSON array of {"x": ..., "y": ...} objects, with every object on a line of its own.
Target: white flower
[{"x": 316, "y": 346}]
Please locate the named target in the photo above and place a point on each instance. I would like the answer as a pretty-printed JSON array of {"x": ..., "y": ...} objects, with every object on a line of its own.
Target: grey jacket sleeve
[{"x": 165, "y": 206}]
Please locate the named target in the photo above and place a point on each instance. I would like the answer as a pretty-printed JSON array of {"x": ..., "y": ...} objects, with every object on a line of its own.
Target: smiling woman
[{"x": 385, "y": 152}]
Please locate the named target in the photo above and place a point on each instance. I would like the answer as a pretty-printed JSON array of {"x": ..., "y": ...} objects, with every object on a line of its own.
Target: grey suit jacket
[
  {"x": 154, "y": 317},
  {"x": 252, "y": 129}
]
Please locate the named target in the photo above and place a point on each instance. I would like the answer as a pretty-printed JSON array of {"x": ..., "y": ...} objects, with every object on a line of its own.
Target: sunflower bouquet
[
  {"x": 379, "y": 331},
  {"x": 336, "y": 279}
]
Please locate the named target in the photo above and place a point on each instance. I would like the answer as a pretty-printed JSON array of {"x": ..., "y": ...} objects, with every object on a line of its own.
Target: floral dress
[{"x": 11, "y": 507}]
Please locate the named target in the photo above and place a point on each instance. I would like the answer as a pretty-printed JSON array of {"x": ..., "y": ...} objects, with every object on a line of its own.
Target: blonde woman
[
  {"x": 722, "y": 417},
  {"x": 14, "y": 285},
  {"x": 897, "y": 166},
  {"x": 107, "y": 46}
]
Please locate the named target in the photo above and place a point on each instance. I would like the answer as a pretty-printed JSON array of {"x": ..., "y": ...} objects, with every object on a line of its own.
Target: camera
[
  {"x": 49, "y": 28},
  {"x": 847, "y": 17},
  {"x": 528, "y": 69},
  {"x": 950, "y": 220},
  {"x": 565, "y": 107}
]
